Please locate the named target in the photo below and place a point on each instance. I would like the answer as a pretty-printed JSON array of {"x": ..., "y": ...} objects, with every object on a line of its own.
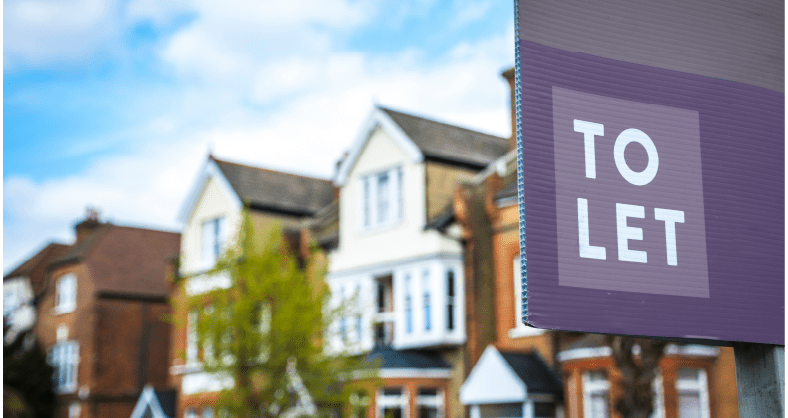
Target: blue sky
[{"x": 115, "y": 104}]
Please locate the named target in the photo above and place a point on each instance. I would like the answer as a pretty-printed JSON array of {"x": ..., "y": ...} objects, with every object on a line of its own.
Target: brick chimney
[
  {"x": 509, "y": 76},
  {"x": 89, "y": 225}
]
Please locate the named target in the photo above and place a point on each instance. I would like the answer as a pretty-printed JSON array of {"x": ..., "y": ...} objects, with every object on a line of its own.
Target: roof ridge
[
  {"x": 269, "y": 169},
  {"x": 442, "y": 123}
]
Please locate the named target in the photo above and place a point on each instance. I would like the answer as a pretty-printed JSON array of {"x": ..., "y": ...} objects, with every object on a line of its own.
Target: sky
[{"x": 116, "y": 104}]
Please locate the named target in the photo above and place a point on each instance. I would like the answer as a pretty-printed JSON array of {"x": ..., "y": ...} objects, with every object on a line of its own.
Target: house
[
  {"x": 404, "y": 277},
  {"x": 100, "y": 308},
  {"x": 24, "y": 286},
  {"x": 211, "y": 216},
  {"x": 693, "y": 380}
]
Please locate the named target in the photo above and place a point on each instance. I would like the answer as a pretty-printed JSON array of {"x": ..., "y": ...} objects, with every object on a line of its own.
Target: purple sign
[{"x": 653, "y": 199}]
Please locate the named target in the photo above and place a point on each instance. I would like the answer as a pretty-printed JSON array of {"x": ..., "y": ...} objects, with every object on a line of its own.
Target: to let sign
[{"x": 652, "y": 146}]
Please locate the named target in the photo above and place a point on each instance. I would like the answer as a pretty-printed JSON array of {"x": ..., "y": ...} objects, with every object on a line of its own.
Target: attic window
[
  {"x": 213, "y": 233},
  {"x": 382, "y": 198}
]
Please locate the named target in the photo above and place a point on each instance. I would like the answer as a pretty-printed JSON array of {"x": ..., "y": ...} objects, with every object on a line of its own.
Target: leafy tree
[
  {"x": 637, "y": 375},
  {"x": 273, "y": 318},
  {"x": 27, "y": 378}
]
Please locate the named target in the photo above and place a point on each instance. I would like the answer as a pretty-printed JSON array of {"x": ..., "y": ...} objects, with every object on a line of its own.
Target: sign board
[{"x": 651, "y": 139}]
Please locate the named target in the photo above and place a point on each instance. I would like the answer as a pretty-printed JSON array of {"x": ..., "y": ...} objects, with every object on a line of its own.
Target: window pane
[
  {"x": 689, "y": 405},
  {"x": 392, "y": 392},
  {"x": 428, "y": 412},
  {"x": 392, "y": 412},
  {"x": 599, "y": 405},
  {"x": 383, "y": 197},
  {"x": 504, "y": 410}
]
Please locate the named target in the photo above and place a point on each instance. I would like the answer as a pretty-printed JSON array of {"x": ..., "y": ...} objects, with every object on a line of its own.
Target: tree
[
  {"x": 637, "y": 375},
  {"x": 273, "y": 318},
  {"x": 27, "y": 378}
]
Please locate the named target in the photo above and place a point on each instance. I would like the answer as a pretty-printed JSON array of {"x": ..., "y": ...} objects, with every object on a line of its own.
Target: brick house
[
  {"x": 693, "y": 380},
  {"x": 211, "y": 216},
  {"x": 100, "y": 314},
  {"x": 404, "y": 275}
]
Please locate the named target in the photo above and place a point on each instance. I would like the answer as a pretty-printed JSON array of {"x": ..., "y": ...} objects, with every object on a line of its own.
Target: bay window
[{"x": 64, "y": 358}]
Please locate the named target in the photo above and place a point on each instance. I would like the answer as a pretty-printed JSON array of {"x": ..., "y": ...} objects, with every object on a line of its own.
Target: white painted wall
[
  {"x": 215, "y": 200},
  {"x": 399, "y": 249},
  {"x": 402, "y": 241}
]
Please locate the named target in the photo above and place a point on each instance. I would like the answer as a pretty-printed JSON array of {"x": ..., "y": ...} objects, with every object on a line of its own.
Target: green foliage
[
  {"x": 276, "y": 309},
  {"x": 27, "y": 378}
]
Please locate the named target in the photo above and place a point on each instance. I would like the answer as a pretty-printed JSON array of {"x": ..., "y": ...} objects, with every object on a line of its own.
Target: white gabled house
[
  {"x": 405, "y": 277},
  {"x": 211, "y": 216}
]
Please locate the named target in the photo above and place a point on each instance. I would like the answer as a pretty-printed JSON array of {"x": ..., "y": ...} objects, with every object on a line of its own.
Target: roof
[
  {"x": 266, "y": 189},
  {"x": 38, "y": 262},
  {"x": 442, "y": 219},
  {"x": 126, "y": 260},
  {"x": 534, "y": 372},
  {"x": 160, "y": 403},
  {"x": 449, "y": 143},
  {"x": 406, "y": 359}
]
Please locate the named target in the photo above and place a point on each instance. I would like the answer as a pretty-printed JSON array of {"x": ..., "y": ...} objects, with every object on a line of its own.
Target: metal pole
[{"x": 760, "y": 378}]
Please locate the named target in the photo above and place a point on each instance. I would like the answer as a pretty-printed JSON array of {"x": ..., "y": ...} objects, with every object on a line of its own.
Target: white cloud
[
  {"x": 263, "y": 85},
  {"x": 44, "y": 31}
]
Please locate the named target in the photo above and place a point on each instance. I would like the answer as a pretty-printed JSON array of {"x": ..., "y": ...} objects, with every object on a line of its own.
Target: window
[
  {"x": 190, "y": 413},
  {"x": 64, "y": 358},
  {"x": 693, "y": 392},
  {"x": 74, "y": 410},
  {"x": 427, "y": 318},
  {"x": 208, "y": 413},
  {"x": 595, "y": 394},
  {"x": 519, "y": 329},
  {"x": 450, "y": 300},
  {"x": 391, "y": 403},
  {"x": 66, "y": 294},
  {"x": 213, "y": 235},
  {"x": 382, "y": 198},
  {"x": 191, "y": 337},
  {"x": 429, "y": 403},
  {"x": 408, "y": 306}
]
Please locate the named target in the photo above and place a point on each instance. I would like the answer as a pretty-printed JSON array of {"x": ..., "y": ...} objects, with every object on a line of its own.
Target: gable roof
[
  {"x": 534, "y": 372},
  {"x": 160, "y": 403},
  {"x": 267, "y": 189},
  {"x": 125, "y": 260},
  {"x": 504, "y": 377},
  {"x": 422, "y": 138},
  {"x": 449, "y": 143},
  {"x": 35, "y": 267}
]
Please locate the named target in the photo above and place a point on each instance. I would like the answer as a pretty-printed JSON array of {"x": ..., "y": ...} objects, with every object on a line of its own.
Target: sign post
[{"x": 651, "y": 141}]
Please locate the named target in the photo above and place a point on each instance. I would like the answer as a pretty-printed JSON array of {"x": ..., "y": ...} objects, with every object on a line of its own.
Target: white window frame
[
  {"x": 520, "y": 329},
  {"x": 699, "y": 386},
  {"x": 191, "y": 338},
  {"x": 595, "y": 387},
  {"x": 659, "y": 396},
  {"x": 435, "y": 401},
  {"x": 62, "y": 356},
  {"x": 66, "y": 294},
  {"x": 384, "y": 401},
  {"x": 213, "y": 236},
  {"x": 371, "y": 219}
]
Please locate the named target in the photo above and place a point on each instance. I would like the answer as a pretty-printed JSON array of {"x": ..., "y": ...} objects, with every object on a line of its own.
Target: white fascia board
[
  {"x": 492, "y": 380},
  {"x": 148, "y": 400},
  {"x": 210, "y": 170},
  {"x": 376, "y": 118}
]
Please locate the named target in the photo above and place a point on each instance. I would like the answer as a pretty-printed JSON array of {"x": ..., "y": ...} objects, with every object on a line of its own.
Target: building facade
[
  {"x": 211, "y": 217},
  {"x": 404, "y": 277},
  {"x": 100, "y": 306}
]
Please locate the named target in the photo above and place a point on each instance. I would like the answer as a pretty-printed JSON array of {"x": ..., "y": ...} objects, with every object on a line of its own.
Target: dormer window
[
  {"x": 213, "y": 232},
  {"x": 382, "y": 198},
  {"x": 66, "y": 294}
]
